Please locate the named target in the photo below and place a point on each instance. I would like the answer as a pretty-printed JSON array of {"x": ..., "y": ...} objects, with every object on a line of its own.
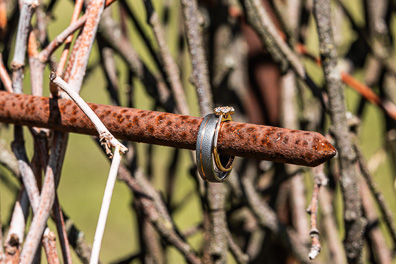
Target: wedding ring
[
  {"x": 209, "y": 161},
  {"x": 224, "y": 115}
]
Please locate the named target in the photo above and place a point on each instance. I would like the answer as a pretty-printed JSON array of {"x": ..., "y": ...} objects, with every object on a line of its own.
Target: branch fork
[{"x": 106, "y": 138}]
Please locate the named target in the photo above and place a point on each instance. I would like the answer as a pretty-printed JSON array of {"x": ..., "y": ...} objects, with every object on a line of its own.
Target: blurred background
[{"x": 242, "y": 74}]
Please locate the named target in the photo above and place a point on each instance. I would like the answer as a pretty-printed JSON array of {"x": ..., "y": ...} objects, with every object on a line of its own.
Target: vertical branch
[
  {"x": 200, "y": 78},
  {"x": 62, "y": 61},
  {"x": 105, "y": 206},
  {"x": 266, "y": 217},
  {"x": 200, "y": 75},
  {"x": 379, "y": 197},
  {"x": 334, "y": 244},
  {"x": 94, "y": 11},
  {"x": 46, "y": 201},
  {"x": 18, "y": 62},
  {"x": 297, "y": 189},
  {"x": 379, "y": 248},
  {"x": 169, "y": 64},
  {"x": 16, "y": 231},
  {"x": 319, "y": 180},
  {"x": 62, "y": 233},
  {"x": 354, "y": 223}
]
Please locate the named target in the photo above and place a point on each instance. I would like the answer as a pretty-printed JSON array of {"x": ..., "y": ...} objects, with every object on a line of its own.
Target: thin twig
[
  {"x": 319, "y": 180},
  {"x": 200, "y": 75},
  {"x": 45, "y": 54},
  {"x": 8, "y": 160},
  {"x": 156, "y": 212},
  {"x": 169, "y": 64},
  {"x": 47, "y": 198},
  {"x": 354, "y": 223},
  {"x": 87, "y": 37},
  {"x": 267, "y": 219},
  {"x": 16, "y": 231},
  {"x": 62, "y": 233},
  {"x": 379, "y": 197},
  {"x": 378, "y": 243},
  {"x": 236, "y": 250},
  {"x": 104, "y": 210},
  {"x": 334, "y": 243},
  {"x": 62, "y": 61}
]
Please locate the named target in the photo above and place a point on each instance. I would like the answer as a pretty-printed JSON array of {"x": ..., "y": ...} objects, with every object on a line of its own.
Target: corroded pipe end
[{"x": 276, "y": 144}]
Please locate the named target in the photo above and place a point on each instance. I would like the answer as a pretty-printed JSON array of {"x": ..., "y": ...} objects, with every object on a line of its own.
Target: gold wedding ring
[
  {"x": 211, "y": 165},
  {"x": 224, "y": 115}
]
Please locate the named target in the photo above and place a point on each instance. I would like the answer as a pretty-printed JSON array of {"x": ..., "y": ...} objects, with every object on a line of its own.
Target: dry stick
[
  {"x": 4, "y": 77},
  {"x": 155, "y": 87},
  {"x": 200, "y": 75},
  {"x": 217, "y": 244},
  {"x": 156, "y": 212},
  {"x": 17, "y": 66},
  {"x": 169, "y": 64},
  {"x": 77, "y": 240},
  {"x": 94, "y": 11},
  {"x": 365, "y": 91},
  {"x": 378, "y": 52},
  {"x": 46, "y": 201},
  {"x": 64, "y": 36},
  {"x": 333, "y": 240},
  {"x": 104, "y": 210},
  {"x": 61, "y": 228},
  {"x": 49, "y": 243},
  {"x": 379, "y": 197},
  {"x": 260, "y": 20},
  {"x": 16, "y": 230},
  {"x": 319, "y": 180},
  {"x": 354, "y": 223},
  {"x": 8, "y": 160},
  {"x": 289, "y": 119},
  {"x": 29, "y": 180},
  {"x": 258, "y": 17},
  {"x": 108, "y": 140},
  {"x": 235, "y": 249},
  {"x": 76, "y": 70},
  {"x": 62, "y": 61},
  {"x": 36, "y": 66},
  {"x": 45, "y": 54},
  {"x": 266, "y": 217},
  {"x": 110, "y": 70},
  {"x": 18, "y": 62},
  {"x": 379, "y": 247}
]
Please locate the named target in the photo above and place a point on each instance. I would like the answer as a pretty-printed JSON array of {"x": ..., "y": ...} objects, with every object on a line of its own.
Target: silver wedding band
[{"x": 206, "y": 141}]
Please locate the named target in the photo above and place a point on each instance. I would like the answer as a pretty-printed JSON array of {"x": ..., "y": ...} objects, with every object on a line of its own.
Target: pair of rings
[{"x": 212, "y": 166}]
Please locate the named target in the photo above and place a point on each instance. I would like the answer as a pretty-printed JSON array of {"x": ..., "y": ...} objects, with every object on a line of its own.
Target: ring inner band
[{"x": 218, "y": 157}]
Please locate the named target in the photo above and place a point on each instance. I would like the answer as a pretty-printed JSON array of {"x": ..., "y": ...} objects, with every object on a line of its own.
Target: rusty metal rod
[{"x": 179, "y": 131}]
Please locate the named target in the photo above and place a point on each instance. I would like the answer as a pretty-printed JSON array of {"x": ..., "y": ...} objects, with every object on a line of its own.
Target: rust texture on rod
[{"x": 180, "y": 131}]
